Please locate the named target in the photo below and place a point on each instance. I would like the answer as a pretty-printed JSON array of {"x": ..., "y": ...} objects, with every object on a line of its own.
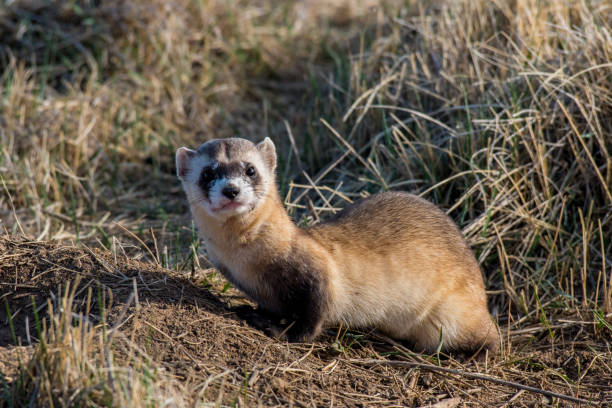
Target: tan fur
[
  {"x": 407, "y": 270},
  {"x": 394, "y": 262}
]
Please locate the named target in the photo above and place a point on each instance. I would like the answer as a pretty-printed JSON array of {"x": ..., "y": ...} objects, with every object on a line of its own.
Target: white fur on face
[
  {"x": 220, "y": 206},
  {"x": 216, "y": 204}
]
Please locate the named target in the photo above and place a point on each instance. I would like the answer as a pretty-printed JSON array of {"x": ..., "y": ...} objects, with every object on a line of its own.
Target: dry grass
[
  {"x": 134, "y": 323},
  {"x": 75, "y": 363},
  {"x": 498, "y": 111}
]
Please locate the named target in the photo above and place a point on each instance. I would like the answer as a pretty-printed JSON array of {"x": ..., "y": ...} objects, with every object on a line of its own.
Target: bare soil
[{"x": 198, "y": 332}]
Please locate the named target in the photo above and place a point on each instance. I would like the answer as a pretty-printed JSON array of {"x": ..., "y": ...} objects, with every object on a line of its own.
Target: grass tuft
[{"x": 76, "y": 363}]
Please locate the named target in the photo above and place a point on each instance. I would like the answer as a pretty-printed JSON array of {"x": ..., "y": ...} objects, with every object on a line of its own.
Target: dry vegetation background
[{"x": 498, "y": 111}]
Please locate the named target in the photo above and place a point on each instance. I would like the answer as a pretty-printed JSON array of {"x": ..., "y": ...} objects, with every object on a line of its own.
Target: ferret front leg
[
  {"x": 297, "y": 290},
  {"x": 305, "y": 329},
  {"x": 304, "y": 307}
]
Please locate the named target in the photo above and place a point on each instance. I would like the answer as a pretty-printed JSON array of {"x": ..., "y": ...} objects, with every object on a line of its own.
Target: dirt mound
[{"x": 199, "y": 332}]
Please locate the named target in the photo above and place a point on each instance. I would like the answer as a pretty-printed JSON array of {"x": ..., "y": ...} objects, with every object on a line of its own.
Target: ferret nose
[{"x": 230, "y": 191}]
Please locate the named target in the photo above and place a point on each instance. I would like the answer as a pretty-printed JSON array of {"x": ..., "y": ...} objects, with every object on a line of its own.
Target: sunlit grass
[{"x": 75, "y": 362}]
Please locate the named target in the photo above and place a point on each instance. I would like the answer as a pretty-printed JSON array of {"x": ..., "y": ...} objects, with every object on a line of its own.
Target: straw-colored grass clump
[{"x": 76, "y": 363}]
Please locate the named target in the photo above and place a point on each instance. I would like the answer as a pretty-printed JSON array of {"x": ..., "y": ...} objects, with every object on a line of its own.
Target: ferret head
[{"x": 227, "y": 177}]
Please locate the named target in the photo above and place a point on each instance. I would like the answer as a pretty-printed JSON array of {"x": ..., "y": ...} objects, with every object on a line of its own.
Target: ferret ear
[
  {"x": 268, "y": 152},
  {"x": 183, "y": 159}
]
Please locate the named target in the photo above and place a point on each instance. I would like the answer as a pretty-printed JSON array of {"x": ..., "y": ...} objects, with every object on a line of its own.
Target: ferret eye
[
  {"x": 250, "y": 171},
  {"x": 208, "y": 174}
]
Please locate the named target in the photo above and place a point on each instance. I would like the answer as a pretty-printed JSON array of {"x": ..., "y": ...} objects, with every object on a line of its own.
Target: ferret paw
[
  {"x": 283, "y": 332},
  {"x": 257, "y": 319},
  {"x": 300, "y": 333}
]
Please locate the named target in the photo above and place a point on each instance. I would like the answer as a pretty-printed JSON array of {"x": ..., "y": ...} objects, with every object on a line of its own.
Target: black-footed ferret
[{"x": 392, "y": 261}]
